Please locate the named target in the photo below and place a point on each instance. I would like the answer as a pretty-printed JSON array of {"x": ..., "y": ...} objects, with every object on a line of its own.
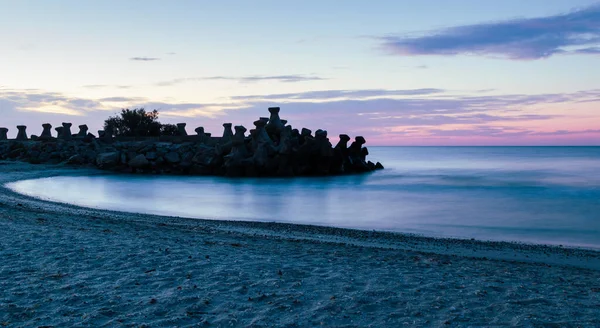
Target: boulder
[
  {"x": 151, "y": 156},
  {"x": 343, "y": 143},
  {"x": 227, "y": 133},
  {"x": 3, "y": 134},
  {"x": 202, "y": 137},
  {"x": 66, "y": 131},
  {"x": 274, "y": 126},
  {"x": 47, "y": 131},
  {"x": 83, "y": 131},
  {"x": 181, "y": 129},
  {"x": 107, "y": 160},
  {"x": 76, "y": 160},
  {"x": 172, "y": 157},
  {"x": 22, "y": 134},
  {"x": 139, "y": 161}
]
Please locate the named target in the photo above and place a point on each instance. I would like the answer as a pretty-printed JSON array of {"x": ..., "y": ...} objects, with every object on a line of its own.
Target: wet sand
[{"x": 64, "y": 265}]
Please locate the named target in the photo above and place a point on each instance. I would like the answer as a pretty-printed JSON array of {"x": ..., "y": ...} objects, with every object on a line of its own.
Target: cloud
[
  {"x": 335, "y": 94},
  {"x": 121, "y": 99},
  {"x": 244, "y": 79},
  {"x": 380, "y": 115},
  {"x": 589, "y": 51},
  {"x": 106, "y": 86},
  {"x": 517, "y": 39},
  {"x": 144, "y": 58}
]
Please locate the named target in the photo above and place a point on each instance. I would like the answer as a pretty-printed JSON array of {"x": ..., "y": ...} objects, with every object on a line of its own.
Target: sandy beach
[{"x": 68, "y": 266}]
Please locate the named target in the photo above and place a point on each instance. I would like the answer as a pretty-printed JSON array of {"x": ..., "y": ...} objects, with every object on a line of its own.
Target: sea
[{"x": 548, "y": 195}]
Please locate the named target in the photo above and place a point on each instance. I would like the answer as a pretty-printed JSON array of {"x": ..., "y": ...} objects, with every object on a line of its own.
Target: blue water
[{"x": 531, "y": 194}]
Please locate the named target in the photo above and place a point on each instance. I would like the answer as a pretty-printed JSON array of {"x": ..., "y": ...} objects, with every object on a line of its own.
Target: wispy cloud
[
  {"x": 589, "y": 51},
  {"x": 244, "y": 79},
  {"x": 106, "y": 86},
  {"x": 382, "y": 115},
  {"x": 144, "y": 58},
  {"x": 336, "y": 94},
  {"x": 121, "y": 99},
  {"x": 577, "y": 32}
]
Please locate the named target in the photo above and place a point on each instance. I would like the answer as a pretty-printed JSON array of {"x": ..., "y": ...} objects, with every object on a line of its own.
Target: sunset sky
[{"x": 404, "y": 72}]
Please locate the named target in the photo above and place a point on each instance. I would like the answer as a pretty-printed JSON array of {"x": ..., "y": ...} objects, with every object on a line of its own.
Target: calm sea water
[{"x": 532, "y": 194}]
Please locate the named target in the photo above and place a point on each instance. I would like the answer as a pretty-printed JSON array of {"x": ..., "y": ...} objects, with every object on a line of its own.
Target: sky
[{"x": 402, "y": 72}]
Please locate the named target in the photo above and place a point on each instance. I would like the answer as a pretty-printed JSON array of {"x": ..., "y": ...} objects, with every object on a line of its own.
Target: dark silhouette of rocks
[
  {"x": 66, "y": 131},
  {"x": 227, "y": 132},
  {"x": 47, "y": 131},
  {"x": 272, "y": 148},
  {"x": 22, "y": 134},
  {"x": 59, "y": 130},
  {"x": 83, "y": 131},
  {"x": 274, "y": 125},
  {"x": 181, "y": 129},
  {"x": 3, "y": 134}
]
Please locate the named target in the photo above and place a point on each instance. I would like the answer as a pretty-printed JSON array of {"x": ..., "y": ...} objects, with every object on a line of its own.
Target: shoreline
[
  {"x": 68, "y": 265},
  {"x": 578, "y": 256}
]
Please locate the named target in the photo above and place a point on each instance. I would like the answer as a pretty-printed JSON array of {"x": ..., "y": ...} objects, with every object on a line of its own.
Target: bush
[
  {"x": 134, "y": 123},
  {"x": 169, "y": 130}
]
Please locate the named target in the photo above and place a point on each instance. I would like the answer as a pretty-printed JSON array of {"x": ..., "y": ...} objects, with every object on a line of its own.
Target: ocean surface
[{"x": 531, "y": 194}]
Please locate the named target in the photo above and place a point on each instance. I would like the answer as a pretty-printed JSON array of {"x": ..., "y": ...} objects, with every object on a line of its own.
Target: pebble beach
[{"x": 64, "y": 265}]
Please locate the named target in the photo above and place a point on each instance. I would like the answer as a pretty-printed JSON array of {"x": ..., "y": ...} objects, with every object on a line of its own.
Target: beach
[{"x": 64, "y": 265}]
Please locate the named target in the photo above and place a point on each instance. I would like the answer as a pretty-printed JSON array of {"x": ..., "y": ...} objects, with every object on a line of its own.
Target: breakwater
[{"x": 271, "y": 148}]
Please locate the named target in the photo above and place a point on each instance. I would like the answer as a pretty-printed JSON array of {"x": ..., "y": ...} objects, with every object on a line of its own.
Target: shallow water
[{"x": 531, "y": 194}]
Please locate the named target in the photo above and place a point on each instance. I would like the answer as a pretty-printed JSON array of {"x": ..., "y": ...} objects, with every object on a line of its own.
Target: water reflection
[{"x": 514, "y": 193}]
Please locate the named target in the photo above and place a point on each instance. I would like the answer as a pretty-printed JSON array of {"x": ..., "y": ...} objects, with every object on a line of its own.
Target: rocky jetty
[{"x": 271, "y": 148}]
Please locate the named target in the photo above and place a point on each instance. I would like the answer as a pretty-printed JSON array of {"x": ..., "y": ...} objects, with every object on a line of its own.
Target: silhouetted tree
[
  {"x": 169, "y": 130},
  {"x": 134, "y": 123}
]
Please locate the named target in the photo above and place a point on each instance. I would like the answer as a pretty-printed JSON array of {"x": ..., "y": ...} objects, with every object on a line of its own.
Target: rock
[
  {"x": 364, "y": 152},
  {"x": 285, "y": 142},
  {"x": 240, "y": 133},
  {"x": 238, "y": 156},
  {"x": 181, "y": 129},
  {"x": 343, "y": 143},
  {"x": 76, "y": 160},
  {"x": 66, "y": 131},
  {"x": 172, "y": 157},
  {"x": 202, "y": 137},
  {"x": 304, "y": 135},
  {"x": 47, "y": 131},
  {"x": 227, "y": 133},
  {"x": 378, "y": 166},
  {"x": 83, "y": 131},
  {"x": 89, "y": 138},
  {"x": 274, "y": 126},
  {"x": 272, "y": 148},
  {"x": 356, "y": 146},
  {"x": 89, "y": 156},
  {"x": 107, "y": 160},
  {"x": 22, "y": 134},
  {"x": 139, "y": 161},
  {"x": 59, "y": 131},
  {"x": 357, "y": 155},
  {"x": 151, "y": 156}
]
